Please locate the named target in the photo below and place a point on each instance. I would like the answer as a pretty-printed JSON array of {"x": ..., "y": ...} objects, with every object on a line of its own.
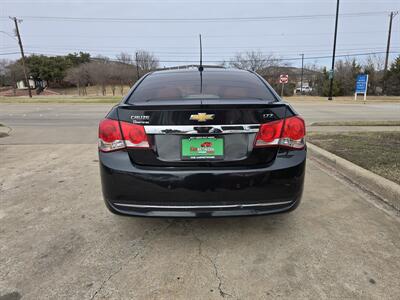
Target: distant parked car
[
  {"x": 190, "y": 143},
  {"x": 306, "y": 90}
]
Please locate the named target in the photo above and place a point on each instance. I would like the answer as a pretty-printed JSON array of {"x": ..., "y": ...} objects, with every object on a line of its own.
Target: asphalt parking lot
[{"x": 57, "y": 239}]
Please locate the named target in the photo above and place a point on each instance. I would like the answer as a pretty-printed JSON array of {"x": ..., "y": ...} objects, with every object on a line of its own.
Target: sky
[{"x": 170, "y": 29}]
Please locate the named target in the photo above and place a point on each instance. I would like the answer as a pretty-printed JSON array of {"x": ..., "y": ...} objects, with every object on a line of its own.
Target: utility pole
[
  {"x": 302, "y": 73},
  {"x": 392, "y": 14},
  {"x": 334, "y": 53},
  {"x": 16, "y": 21},
  {"x": 137, "y": 66}
]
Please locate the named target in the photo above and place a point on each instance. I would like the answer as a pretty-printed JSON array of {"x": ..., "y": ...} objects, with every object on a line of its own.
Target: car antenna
[
  {"x": 201, "y": 56},
  {"x": 201, "y": 66}
]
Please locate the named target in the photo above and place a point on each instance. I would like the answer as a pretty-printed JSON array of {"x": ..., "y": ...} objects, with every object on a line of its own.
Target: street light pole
[
  {"x": 137, "y": 66},
  {"x": 334, "y": 53},
  {"x": 302, "y": 73}
]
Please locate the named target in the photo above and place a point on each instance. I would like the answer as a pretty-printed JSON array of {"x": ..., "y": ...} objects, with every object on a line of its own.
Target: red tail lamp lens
[
  {"x": 135, "y": 135},
  {"x": 109, "y": 131},
  {"x": 294, "y": 128},
  {"x": 285, "y": 133},
  {"x": 270, "y": 131},
  {"x": 111, "y": 138}
]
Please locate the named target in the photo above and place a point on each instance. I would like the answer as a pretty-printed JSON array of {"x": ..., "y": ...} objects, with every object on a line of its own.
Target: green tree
[
  {"x": 325, "y": 83},
  {"x": 53, "y": 68},
  {"x": 392, "y": 78},
  {"x": 346, "y": 72},
  {"x": 76, "y": 59}
]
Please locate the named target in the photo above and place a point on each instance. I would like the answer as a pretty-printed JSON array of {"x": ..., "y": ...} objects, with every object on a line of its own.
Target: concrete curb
[{"x": 385, "y": 189}]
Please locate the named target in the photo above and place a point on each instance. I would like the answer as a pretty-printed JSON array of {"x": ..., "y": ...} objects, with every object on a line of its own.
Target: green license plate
[{"x": 198, "y": 148}]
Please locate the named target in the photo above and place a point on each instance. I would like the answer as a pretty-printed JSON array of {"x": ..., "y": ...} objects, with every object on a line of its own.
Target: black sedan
[{"x": 191, "y": 143}]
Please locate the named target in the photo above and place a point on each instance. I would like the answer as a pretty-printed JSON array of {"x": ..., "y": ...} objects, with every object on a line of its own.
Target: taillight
[
  {"x": 269, "y": 134},
  {"x": 288, "y": 133},
  {"x": 294, "y": 132},
  {"x": 111, "y": 138},
  {"x": 134, "y": 135}
]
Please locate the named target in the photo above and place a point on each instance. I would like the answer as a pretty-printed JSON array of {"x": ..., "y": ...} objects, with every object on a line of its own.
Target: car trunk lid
[{"x": 171, "y": 124}]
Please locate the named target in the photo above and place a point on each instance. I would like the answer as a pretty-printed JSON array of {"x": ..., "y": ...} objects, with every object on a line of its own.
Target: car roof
[{"x": 195, "y": 70}]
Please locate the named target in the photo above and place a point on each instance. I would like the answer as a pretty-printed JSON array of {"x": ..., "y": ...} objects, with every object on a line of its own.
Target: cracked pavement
[{"x": 57, "y": 240}]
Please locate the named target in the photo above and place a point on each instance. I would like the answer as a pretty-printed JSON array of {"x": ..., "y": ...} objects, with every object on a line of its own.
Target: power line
[
  {"x": 221, "y": 19},
  {"x": 232, "y": 48},
  {"x": 278, "y": 59},
  {"x": 91, "y": 36},
  {"x": 278, "y": 54},
  {"x": 311, "y": 52},
  {"x": 8, "y": 34},
  {"x": 9, "y": 53}
]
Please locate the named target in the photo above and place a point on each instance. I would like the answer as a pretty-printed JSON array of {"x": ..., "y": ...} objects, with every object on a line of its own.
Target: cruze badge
[
  {"x": 140, "y": 119},
  {"x": 202, "y": 117}
]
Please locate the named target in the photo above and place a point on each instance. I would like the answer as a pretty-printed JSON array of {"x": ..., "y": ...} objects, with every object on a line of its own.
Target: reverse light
[
  {"x": 288, "y": 133},
  {"x": 111, "y": 138}
]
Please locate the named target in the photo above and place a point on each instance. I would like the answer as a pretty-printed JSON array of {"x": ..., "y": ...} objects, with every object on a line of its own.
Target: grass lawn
[
  {"x": 61, "y": 99},
  {"x": 378, "y": 152},
  {"x": 344, "y": 99},
  {"x": 357, "y": 123}
]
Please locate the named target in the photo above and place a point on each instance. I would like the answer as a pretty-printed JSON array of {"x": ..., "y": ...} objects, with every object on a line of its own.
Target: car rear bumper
[{"x": 171, "y": 192}]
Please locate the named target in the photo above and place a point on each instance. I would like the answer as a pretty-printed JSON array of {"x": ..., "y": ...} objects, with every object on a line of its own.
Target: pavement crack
[
  {"x": 213, "y": 262},
  {"x": 140, "y": 249},
  {"x": 149, "y": 236},
  {"x": 105, "y": 282}
]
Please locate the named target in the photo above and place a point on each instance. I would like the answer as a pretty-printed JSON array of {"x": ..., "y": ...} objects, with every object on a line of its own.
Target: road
[
  {"x": 57, "y": 239},
  {"x": 77, "y": 123}
]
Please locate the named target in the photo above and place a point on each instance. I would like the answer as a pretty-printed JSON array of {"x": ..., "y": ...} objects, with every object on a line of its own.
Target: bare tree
[
  {"x": 146, "y": 61},
  {"x": 125, "y": 58},
  {"x": 127, "y": 76},
  {"x": 99, "y": 74},
  {"x": 114, "y": 70},
  {"x": 377, "y": 61},
  {"x": 315, "y": 76},
  {"x": 373, "y": 66},
  {"x": 3, "y": 71},
  {"x": 79, "y": 76},
  {"x": 124, "y": 71},
  {"x": 11, "y": 73},
  {"x": 253, "y": 61}
]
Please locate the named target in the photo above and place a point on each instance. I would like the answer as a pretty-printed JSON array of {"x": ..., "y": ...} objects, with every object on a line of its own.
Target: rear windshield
[{"x": 212, "y": 85}]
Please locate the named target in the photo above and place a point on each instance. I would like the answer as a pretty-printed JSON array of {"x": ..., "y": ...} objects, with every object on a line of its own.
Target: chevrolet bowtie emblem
[{"x": 202, "y": 117}]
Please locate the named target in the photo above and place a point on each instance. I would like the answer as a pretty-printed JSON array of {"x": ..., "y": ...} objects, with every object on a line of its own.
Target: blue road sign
[{"x": 361, "y": 84}]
